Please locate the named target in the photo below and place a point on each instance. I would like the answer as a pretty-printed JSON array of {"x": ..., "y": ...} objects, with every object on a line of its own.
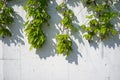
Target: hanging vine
[
  {"x": 64, "y": 43},
  {"x": 37, "y": 17},
  {"x": 100, "y": 25},
  {"x": 6, "y": 18}
]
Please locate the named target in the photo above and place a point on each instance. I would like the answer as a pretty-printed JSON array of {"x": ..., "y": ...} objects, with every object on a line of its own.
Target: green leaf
[
  {"x": 87, "y": 36},
  {"x": 88, "y": 29},
  {"x": 90, "y": 16},
  {"x": 114, "y": 32},
  {"x": 83, "y": 27}
]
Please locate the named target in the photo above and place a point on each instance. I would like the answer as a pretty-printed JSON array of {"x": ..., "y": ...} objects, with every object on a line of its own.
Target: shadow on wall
[
  {"x": 114, "y": 41},
  {"x": 111, "y": 42},
  {"x": 73, "y": 58},
  {"x": 49, "y": 49},
  {"x": 16, "y": 28},
  {"x": 17, "y": 2},
  {"x": 74, "y": 2}
]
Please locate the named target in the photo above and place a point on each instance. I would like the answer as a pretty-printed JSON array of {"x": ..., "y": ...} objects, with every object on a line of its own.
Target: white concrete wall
[{"x": 87, "y": 62}]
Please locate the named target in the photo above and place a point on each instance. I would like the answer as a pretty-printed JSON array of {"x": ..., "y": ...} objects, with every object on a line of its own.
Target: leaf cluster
[
  {"x": 6, "y": 18},
  {"x": 37, "y": 11},
  {"x": 67, "y": 16},
  {"x": 100, "y": 25},
  {"x": 64, "y": 45}
]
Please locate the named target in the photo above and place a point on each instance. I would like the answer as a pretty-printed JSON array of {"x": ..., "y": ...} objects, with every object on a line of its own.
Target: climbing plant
[
  {"x": 37, "y": 17},
  {"x": 99, "y": 24},
  {"x": 64, "y": 43},
  {"x": 6, "y": 18}
]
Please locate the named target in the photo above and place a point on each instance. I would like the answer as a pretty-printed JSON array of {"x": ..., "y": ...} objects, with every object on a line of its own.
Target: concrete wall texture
[{"x": 96, "y": 61}]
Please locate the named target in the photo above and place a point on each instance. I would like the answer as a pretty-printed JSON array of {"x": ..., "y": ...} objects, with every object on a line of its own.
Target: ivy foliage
[
  {"x": 6, "y": 18},
  {"x": 37, "y": 17},
  {"x": 64, "y": 43},
  {"x": 100, "y": 25},
  {"x": 68, "y": 16}
]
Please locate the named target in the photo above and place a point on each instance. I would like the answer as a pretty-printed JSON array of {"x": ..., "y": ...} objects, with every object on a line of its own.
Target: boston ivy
[
  {"x": 100, "y": 25},
  {"x": 37, "y": 17},
  {"x": 64, "y": 43},
  {"x": 6, "y": 18}
]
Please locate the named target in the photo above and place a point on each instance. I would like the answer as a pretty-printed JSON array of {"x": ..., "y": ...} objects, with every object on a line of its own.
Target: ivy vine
[
  {"x": 100, "y": 25},
  {"x": 64, "y": 43},
  {"x": 37, "y": 17},
  {"x": 6, "y": 18}
]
